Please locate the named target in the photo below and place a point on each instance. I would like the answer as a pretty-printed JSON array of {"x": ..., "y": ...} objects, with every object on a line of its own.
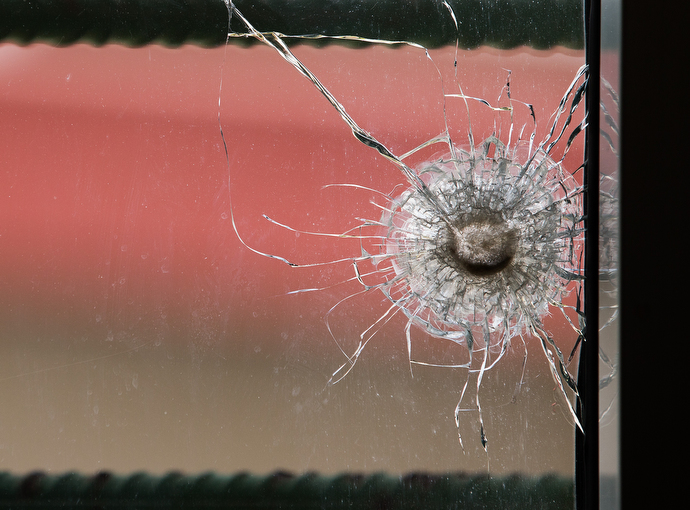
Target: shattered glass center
[
  {"x": 482, "y": 247},
  {"x": 489, "y": 242}
]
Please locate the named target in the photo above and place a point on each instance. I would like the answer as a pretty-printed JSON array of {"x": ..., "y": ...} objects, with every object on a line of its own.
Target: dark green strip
[
  {"x": 499, "y": 23},
  {"x": 285, "y": 491}
]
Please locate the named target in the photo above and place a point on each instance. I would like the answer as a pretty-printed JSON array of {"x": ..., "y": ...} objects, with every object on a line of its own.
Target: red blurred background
[{"x": 116, "y": 236}]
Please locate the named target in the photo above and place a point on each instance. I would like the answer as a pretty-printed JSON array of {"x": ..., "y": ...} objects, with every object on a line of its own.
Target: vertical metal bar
[{"x": 587, "y": 442}]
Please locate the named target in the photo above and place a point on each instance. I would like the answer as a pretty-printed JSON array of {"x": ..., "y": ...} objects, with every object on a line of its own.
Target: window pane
[{"x": 141, "y": 333}]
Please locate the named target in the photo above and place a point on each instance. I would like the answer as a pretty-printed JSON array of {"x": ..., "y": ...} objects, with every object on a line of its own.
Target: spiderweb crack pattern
[{"x": 485, "y": 241}]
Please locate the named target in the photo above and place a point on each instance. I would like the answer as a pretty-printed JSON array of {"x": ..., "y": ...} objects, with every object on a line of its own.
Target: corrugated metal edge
[
  {"x": 540, "y": 24},
  {"x": 285, "y": 490}
]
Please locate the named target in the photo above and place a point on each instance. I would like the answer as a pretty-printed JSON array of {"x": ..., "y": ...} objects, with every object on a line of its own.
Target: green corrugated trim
[
  {"x": 285, "y": 491},
  {"x": 500, "y": 23}
]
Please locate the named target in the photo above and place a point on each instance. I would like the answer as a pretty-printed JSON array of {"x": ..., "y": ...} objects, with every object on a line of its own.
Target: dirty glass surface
[{"x": 170, "y": 300}]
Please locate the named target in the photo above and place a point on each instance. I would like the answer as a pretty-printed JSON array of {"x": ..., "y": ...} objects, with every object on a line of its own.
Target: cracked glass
[{"x": 305, "y": 253}]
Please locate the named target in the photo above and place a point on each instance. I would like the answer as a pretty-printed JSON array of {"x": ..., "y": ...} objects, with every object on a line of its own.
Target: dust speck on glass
[{"x": 477, "y": 247}]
